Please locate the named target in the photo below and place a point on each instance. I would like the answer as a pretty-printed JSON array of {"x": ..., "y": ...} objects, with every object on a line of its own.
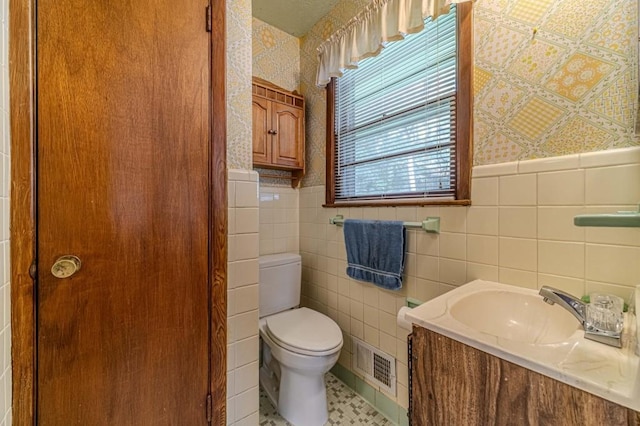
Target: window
[{"x": 399, "y": 126}]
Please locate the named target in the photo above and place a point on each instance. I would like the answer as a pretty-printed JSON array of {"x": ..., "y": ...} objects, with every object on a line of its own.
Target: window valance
[{"x": 363, "y": 36}]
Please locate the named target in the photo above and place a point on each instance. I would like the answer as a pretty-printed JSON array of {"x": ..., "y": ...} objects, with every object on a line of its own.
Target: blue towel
[{"x": 375, "y": 251}]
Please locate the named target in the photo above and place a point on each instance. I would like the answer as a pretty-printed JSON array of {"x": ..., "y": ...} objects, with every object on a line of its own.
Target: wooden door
[
  {"x": 289, "y": 137},
  {"x": 123, "y": 149},
  {"x": 261, "y": 124}
]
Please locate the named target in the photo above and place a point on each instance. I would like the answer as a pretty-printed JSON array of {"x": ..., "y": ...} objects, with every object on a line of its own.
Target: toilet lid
[{"x": 305, "y": 330}]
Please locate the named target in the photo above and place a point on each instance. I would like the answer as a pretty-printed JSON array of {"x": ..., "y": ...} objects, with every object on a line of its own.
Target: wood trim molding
[
  {"x": 23, "y": 233},
  {"x": 22, "y": 204},
  {"x": 218, "y": 239},
  {"x": 464, "y": 105},
  {"x": 330, "y": 152}
]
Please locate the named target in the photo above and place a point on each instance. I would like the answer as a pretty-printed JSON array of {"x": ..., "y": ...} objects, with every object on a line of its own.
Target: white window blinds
[{"x": 395, "y": 119}]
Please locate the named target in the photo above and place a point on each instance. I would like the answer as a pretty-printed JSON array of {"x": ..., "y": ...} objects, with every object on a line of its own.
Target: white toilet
[{"x": 299, "y": 345}]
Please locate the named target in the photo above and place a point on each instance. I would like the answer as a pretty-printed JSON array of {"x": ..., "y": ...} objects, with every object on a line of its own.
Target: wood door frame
[{"x": 23, "y": 207}]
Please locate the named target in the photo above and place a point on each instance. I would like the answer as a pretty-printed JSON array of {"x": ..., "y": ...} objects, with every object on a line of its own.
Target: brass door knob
[{"x": 66, "y": 266}]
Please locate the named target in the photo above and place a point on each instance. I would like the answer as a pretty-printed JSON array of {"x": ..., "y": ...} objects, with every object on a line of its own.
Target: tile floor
[{"x": 345, "y": 408}]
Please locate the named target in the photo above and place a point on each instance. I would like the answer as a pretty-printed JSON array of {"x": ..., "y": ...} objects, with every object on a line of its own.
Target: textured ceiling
[{"x": 295, "y": 17}]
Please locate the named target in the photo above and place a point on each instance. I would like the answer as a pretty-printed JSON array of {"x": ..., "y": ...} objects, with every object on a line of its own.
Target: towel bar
[{"x": 431, "y": 224}]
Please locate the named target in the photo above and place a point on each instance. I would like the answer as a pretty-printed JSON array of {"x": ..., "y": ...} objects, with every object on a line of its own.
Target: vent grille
[{"x": 375, "y": 365}]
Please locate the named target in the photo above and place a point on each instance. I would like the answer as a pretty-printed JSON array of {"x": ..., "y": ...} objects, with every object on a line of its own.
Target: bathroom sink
[
  {"x": 514, "y": 316},
  {"x": 515, "y": 324}
]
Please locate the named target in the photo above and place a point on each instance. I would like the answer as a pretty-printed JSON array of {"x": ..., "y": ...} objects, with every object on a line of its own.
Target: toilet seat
[{"x": 304, "y": 331}]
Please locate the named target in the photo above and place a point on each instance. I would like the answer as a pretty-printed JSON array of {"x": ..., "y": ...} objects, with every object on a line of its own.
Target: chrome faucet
[{"x": 578, "y": 309}]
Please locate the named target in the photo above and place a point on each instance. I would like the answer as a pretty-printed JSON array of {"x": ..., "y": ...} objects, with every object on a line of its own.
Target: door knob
[{"x": 66, "y": 266}]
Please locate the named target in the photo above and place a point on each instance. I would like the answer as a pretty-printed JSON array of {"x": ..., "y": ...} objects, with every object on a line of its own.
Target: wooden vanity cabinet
[
  {"x": 278, "y": 129},
  {"x": 454, "y": 384}
]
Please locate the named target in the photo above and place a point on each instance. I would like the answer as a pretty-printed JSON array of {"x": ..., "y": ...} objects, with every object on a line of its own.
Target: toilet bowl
[{"x": 299, "y": 345}]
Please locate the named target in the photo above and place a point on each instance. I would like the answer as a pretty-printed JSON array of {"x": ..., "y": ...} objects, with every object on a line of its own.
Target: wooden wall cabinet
[
  {"x": 278, "y": 130},
  {"x": 454, "y": 384}
]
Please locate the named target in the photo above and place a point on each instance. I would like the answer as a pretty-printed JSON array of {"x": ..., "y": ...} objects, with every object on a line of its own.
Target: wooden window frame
[{"x": 464, "y": 126}]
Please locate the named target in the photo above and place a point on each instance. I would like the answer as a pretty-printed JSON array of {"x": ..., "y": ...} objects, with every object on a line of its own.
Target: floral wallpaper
[
  {"x": 551, "y": 78},
  {"x": 239, "y": 84},
  {"x": 276, "y": 56}
]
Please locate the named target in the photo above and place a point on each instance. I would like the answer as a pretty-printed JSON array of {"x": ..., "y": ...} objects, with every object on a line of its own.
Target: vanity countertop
[{"x": 608, "y": 372}]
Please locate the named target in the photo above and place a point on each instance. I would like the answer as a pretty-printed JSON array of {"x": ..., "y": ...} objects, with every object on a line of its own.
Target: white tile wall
[
  {"x": 242, "y": 309},
  {"x": 5, "y": 272},
  {"x": 279, "y": 219},
  {"x": 518, "y": 231}
]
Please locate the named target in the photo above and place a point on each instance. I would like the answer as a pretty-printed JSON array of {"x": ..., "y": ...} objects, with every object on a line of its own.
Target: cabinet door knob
[{"x": 272, "y": 132}]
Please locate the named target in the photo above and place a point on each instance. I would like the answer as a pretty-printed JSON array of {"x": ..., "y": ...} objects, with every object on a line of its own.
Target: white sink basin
[
  {"x": 515, "y": 324},
  {"x": 515, "y": 316}
]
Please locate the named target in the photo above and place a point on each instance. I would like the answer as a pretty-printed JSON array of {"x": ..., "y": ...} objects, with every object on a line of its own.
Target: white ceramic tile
[
  {"x": 246, "y": 220},
  {"x": 561, "y": 258},
  {"x": 246, "y": 272},
  {"x": 357, "y": 310},
  {"x": 482, "y": 249},
  {"x": 518, "y": 277},
  {"x": 453, "y": 219},
  {"x": 246, "y": 298},
  {"x": 573, "y": 286},
  {"x": 517, "y": 190},
  {"x": 427, "y": 268},
  {"x": 613, "y": 185},
  {"x": 246, "y": 246},
  {"x": 231, "y": 382},
  {"x": 518, "y": 253},
  {"x": 453, "y": 246},
  {"x": 246, "y": 325},
  {"x": 250, "y": 420},
  {"x": 246, "y": 194},
  {"x": 386, "y": 302},
  {"x": 246, "y": 351},
  {"x": 372, "y": 335},
  {"x": 556, "y": 223},
  {"x": 356, "y": 290},
  {"x": 246, "y": 377},
  {"x": 484, "y": 191},
  {"x": 231, "y": 303},
  {"x": 357, "y": 329},
  {"x": 518, "y": 222},
  {"x": 231, "y": 410},
  {"x": 613, "y": 264},
  {"x": 565, "y": 162},
  {"x": 453, "y": 272},
  {"x": 246, "y": 403},
  {"x": 407, "y": 214},
  {"x": 387, "y": 323},
  {"x": 237, "y": 174},
  {"x": 427, "y": 243},
  {"x": 495, "y": 170},
  {"x": 388, "y": 344},
  {"x": 482, "y": 220},
  {"x": 611, "y": 157},
  {"x": 479, "y": 271},
  {"x": 561, "y": 188},
  {"x": 231, "y": 194}
]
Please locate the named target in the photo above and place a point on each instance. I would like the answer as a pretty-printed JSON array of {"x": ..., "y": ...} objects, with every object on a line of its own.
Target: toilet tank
[{"x": 280, "y": 276}]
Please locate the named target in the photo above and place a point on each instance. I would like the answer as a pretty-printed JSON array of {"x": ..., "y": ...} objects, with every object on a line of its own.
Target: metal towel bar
[{"x": 431, "y": 224}]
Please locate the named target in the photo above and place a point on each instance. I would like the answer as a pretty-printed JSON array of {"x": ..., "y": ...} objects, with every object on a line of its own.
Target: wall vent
[{"x": 375, "y": 365}]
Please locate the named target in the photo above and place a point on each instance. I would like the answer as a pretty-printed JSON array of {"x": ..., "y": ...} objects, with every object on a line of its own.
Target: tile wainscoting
[{"x": 519, "y": 230}]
